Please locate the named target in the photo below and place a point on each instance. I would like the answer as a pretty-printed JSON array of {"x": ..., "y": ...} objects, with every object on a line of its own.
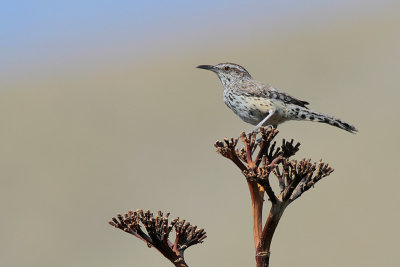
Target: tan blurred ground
[{"x": 77, "y": 148}]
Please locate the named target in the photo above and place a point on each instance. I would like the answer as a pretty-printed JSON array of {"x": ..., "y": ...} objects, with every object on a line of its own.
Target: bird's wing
[
  {"x": 286, "y": 98},
  {"x": 257, "y": 89}
]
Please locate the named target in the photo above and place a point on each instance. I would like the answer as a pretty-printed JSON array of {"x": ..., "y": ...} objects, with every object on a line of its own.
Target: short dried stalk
[{"x": 158, "y": 230}]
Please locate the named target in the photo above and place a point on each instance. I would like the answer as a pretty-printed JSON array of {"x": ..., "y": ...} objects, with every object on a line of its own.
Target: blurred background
[{"x": 102, "y": 110}]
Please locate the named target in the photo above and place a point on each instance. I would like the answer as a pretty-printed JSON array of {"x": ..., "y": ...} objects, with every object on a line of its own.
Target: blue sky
[{"x": 41, "y": 31}]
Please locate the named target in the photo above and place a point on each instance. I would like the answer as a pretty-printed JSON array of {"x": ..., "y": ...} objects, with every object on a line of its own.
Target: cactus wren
[{"x": 261, "y": 104}]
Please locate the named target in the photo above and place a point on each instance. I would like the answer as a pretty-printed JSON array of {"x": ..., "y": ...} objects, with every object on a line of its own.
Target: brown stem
[
  {"x": 262, "y": 259},
  {"x": 181, "y": 263},
  {"x": 263, "y": 249},
  {"x": 260, "y": 154},
  {"x": 247, "y": 146},
  {"x": 268, "y": 189},
  {"x": 238, "y": 163},
  {"x": 257, "y": 201},
  {"x": 173, "y": 255}
]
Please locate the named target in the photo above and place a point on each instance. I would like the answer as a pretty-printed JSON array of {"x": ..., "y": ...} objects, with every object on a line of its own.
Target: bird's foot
[{"x": 257, "y": 128}]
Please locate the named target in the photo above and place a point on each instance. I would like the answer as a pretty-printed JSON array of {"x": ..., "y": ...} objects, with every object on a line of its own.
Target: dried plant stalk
[
  {"x": 158, "y": 229},
  {"x": 257, "y": 160}
]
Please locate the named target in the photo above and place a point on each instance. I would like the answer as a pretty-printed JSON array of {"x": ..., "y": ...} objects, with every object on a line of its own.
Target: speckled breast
[{"x": 250, "y": 109}]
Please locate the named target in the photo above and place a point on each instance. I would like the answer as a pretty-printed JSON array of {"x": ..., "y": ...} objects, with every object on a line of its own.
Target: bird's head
[{"x": 228, "y": 72}]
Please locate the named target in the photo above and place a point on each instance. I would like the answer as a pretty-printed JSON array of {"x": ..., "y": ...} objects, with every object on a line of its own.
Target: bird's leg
[{"x": 270, "y": 113}]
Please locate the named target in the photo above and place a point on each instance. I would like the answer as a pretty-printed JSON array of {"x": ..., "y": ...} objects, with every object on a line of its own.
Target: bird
[{"x": 260, "y": 104}]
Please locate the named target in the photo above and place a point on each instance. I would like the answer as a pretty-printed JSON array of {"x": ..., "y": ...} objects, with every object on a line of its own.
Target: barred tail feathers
[{"x": 306, "y": 114}]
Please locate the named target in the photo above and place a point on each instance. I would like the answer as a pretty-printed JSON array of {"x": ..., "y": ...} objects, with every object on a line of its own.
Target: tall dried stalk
[{"x": 257, "y": 160}]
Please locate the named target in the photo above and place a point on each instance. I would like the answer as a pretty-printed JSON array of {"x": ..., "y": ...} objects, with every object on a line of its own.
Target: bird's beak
[{"x": 207, "y": 67}]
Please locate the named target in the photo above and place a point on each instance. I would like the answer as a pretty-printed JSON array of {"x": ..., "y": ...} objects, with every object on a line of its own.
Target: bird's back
[{"x": 255, "y": 88}]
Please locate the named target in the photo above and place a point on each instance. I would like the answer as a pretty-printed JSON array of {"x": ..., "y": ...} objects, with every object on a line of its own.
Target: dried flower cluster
[
  {"x": 257, "y": 160},
  {"x": 158, "y": 229}
]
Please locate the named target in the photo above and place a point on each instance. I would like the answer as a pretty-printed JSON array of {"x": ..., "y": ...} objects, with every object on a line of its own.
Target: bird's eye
[{"x": 227, "y": 68}]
